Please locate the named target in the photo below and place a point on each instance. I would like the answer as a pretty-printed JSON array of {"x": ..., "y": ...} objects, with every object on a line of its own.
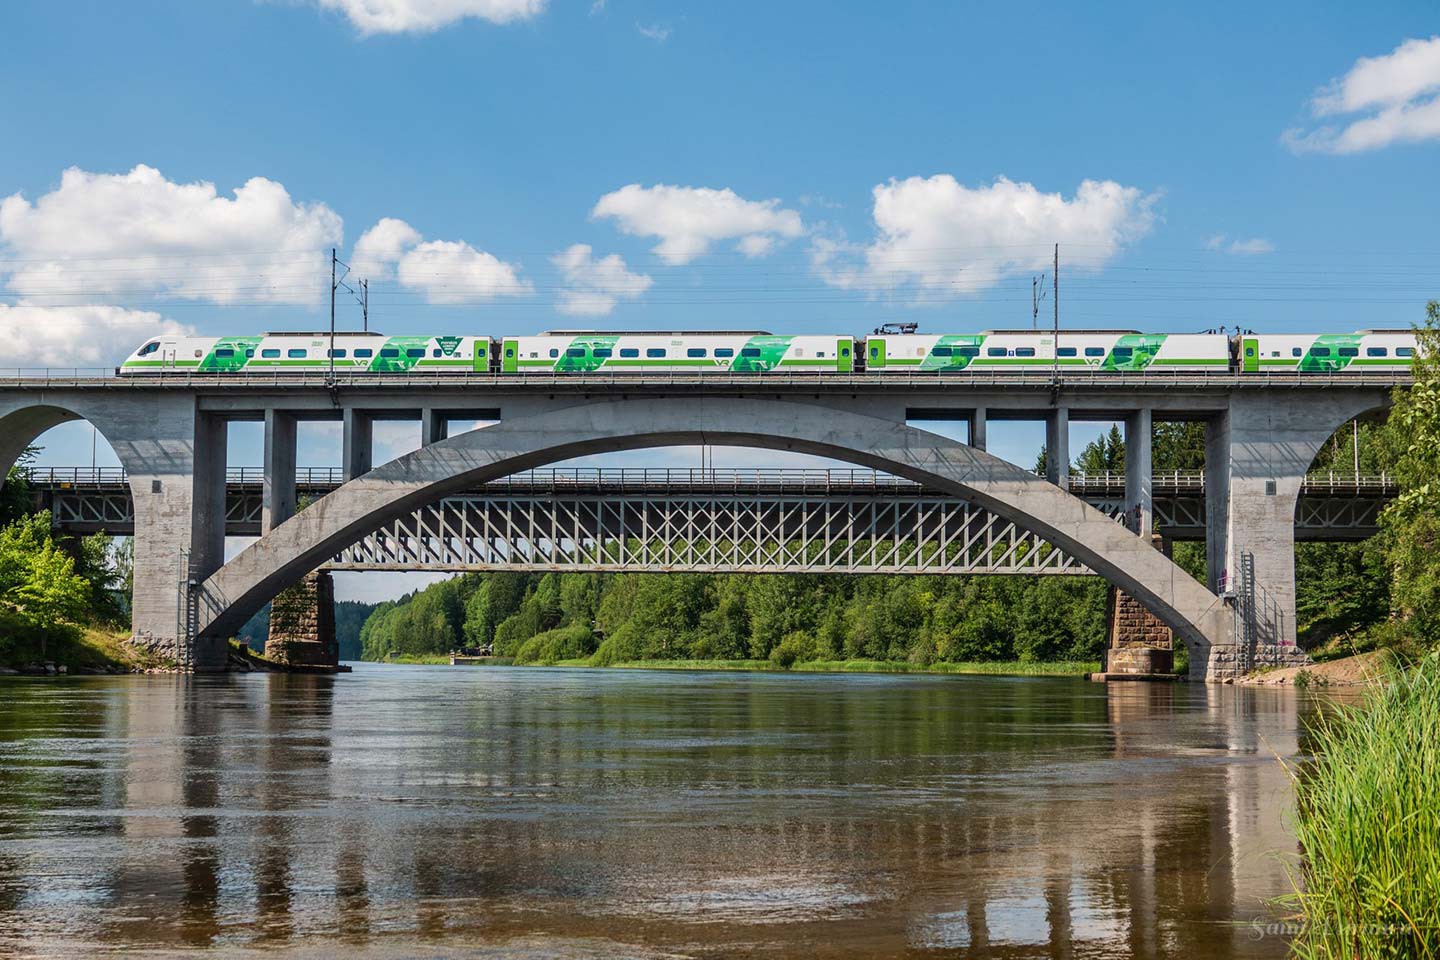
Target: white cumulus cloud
[
  {"x": 593, "y": 287},
  {"x": 427, "y": 16},
  {"x": 938, "y": 235},
  {"x": 689, "y": 219},
  {"x": 1393, "y": 98},
  {"x": 446, "y": 271},
  {"x": 108, "y": 235},
  {"x": 84, "y": 336}
]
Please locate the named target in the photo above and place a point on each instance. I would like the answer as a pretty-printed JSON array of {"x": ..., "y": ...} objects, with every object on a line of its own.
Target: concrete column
[
  {"x": 278, "y": 494},
  {"x": 977, "y": 428},
  {"x": 207, "y": 531},
  {"x": 433, "y": 426},
  {"x": 1217, "y": 501},
  {"x": 1139, "y": 497},
  {"x": 359, "y": 443},
  {"x": 175, "y": 456},
  {"x": 1057, "y": 446}
]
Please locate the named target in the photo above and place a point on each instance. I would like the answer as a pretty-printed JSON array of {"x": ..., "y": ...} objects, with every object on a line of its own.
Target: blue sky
[{"x": 797, "y": 167}]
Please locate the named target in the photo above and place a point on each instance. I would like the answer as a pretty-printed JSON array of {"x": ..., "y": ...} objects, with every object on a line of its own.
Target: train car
[
  {"x": 1359, "y": 352},
  {"x": 582, "y": 351},
  {"x": 1028, "y": 350},
  {"x": 310, "y": 353}
]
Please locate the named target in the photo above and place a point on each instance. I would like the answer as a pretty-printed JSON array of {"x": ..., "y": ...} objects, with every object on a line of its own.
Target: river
[{"x": 477, "y": 812}]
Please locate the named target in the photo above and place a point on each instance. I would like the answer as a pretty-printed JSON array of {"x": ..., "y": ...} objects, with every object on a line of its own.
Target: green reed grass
[{"x": 1368, "y": 822}]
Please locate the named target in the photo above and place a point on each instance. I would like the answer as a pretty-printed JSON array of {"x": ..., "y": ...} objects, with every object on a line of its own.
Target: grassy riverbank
[
  {"x": 86, "y": 650},
  {"x": 1369, "y": 825},
  {"x": 1012, "y": 668}
]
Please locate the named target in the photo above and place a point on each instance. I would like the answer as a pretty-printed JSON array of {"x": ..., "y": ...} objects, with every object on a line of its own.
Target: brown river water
[{"x": 496, "y": 812}]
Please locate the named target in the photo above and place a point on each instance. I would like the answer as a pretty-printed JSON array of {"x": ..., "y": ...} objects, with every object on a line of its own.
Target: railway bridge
[{"x": 956, "y": 507}]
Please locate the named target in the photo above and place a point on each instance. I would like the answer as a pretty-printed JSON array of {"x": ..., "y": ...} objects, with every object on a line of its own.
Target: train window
[
  {"x": 1404, "y": 351},
  {"x": 1065, "y": 351},
  {"x": 969, "y": 351},
  {"x": 389, "y": 353},
  {"x": 337, "y": 354},
  {"x": 655, "y": 353},
  {"x": 575, "y": 352},
  {"x": 249, "y": 352},
  {"x": 874, "y": 353},
  {"x": 1349, "y": 351},
  {"x": 1249, "y": 351},
  {"x": 364, "y": 353},
  {"x": 554, "y": 352},
  {"x": 479, "y": 351},
  {"x": 148, "y": 349},
  {"x": 844, "y": 352},
  {"x": 1295, "y": 351},
  {"x": 299, "y": 353},
  {"x": 724, "y": 353},
  {"x": 941, "y": 352},
  {"x": 750, "y": 351},
  {"x": 1024, "y": 351},
  {"x": 1377, "y": 352},
  {"x": 695, "y": 352},
  {"x": 629, "y": 352},
  {"x": 994, "y": 351},
  {"x": 436, "y": 353},
  {"x": 1094, "y": 351},
  {"x": 224, "y": 352},
  {"x": 269, "y": 354},
  {"x": 509, "y": 352},
  {"x": 1319, "y": 351},
  {"x": 1124, "y": 353},
  {"x": 601, "y": 353},
  {"x": 415, "y": 353}
]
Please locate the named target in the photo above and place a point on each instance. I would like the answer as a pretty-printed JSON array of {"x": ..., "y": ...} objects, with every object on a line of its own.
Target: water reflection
[{"x": 582, "y": 813}]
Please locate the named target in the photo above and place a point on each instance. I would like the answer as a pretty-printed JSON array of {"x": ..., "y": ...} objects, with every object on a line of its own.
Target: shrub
[
  {"x": 552, "y": 646},
  {"x": 793, "y": 648}
]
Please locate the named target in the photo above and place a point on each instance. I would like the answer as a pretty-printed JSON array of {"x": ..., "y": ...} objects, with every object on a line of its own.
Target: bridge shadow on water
[{"x": 478, "y": 812}]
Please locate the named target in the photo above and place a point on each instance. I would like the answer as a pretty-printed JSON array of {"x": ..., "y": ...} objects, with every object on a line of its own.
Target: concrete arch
[{"x": 450, "y": 466}]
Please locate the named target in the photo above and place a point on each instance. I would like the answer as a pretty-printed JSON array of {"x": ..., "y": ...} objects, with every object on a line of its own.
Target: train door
[
  {"x": 844, "y": 350},
  {"x": 510, "y": 357},
  {"x": 1249, "y": 354},
  {"x": 875, "y": 353}
]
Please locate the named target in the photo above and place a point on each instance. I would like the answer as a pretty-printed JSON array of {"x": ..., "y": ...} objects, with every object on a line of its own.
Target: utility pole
[
  {"x": 333, "y": 260},
  {"x": 1055, "y": 295},
  {"x": 365, "y": 304}
]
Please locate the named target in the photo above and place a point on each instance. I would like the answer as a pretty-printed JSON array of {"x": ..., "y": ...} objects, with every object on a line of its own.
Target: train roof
[
  {"x": 321, "y": 333},
  {"x": 655, "y": 333},
  {"x": 991, "y": 332}
]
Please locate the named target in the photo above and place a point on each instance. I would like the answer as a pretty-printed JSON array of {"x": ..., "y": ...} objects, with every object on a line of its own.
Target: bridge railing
[{"x": 712, "y": 478}]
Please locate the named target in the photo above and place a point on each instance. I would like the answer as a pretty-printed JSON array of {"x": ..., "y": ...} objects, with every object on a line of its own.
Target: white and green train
[{"x": 731, "y": 352}]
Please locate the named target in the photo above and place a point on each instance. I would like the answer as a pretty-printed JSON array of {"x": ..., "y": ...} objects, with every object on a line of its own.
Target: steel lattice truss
[{"x": 759, "y": 534}]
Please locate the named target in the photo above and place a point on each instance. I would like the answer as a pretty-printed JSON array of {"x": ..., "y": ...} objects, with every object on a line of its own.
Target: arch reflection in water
[{"x": 643, "y": 812}]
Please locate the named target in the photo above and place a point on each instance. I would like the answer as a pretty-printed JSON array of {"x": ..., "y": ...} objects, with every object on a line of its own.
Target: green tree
[
  {"x": 1411, "y": 524},
  {"x": 1104, "y": 454},
  {"x": 41, "y": 595}
]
